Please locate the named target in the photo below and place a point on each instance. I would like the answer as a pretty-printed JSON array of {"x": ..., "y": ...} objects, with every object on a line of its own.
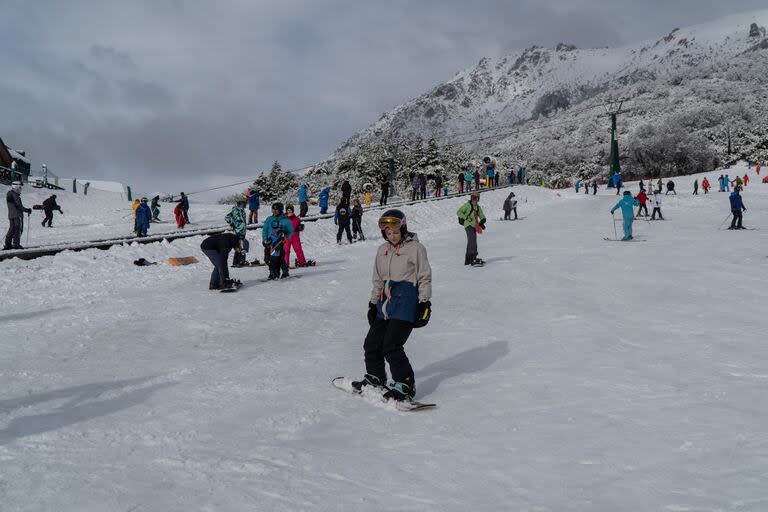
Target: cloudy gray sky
[{"x": 183, "y": 94}]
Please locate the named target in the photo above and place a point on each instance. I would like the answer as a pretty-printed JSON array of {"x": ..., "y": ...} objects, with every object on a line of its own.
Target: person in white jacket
[
  {"x": 399, "y": 302},
  {"x": 656, "y": 202}
]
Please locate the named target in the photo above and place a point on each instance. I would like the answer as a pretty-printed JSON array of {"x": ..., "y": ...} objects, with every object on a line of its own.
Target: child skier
[
  {"x": 737, "y": 207},
  {"x": 357, "y": 220},
  {"x": 641, "y": 199},
  {"x": 276, "y": 229},
  {"x": 472, "y": 218},
  {"x": 627, "y": 204},
  {"x": 400, "y": 302},
  {"x": 510, "y": 204},
  {"x": 705, "y": 185},
  {"x": 323, "y": 199},
  {"x": 295, "y": 239},
  {"x": 656, "y": 205},
  {"x": 341, "y": 218}
]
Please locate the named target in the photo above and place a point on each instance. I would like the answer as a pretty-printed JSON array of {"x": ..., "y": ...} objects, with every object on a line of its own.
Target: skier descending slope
[
  {"x": 400, "y": 302},
  {"x": 627, "y": 204},
  {"x": 471, "y": 216}
]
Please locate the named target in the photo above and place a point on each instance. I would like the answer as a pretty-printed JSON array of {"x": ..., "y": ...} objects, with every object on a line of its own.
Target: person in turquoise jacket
[
  {"x": 277, "y": 228},
  {"x": 627, "y": 204}
]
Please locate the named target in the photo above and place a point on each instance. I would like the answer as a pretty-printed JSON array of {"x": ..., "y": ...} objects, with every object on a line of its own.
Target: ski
[
  {"x": 376, "y": 396},
  {"x": 620, "y": 240}
]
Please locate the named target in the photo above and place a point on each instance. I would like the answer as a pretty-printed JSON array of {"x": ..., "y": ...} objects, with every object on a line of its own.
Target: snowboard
[
  {"x": 504, "y": 220},
  {"x": 620, "y": 240},
  {"x": 235, "y": 286},
  {"x": 186, "y": 260},
  {"x": 477, "y": 263},
  {"x": 376, "y": 396}
]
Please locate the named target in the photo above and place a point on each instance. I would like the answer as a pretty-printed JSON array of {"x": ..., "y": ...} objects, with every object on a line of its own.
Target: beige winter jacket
[{"x": 406, "y": 262}]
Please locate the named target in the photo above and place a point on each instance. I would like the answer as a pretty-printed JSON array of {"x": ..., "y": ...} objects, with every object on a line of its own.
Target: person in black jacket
[
  {"x": 346, "y": 190},
  {"x": 217, "y": 248},
  {"x": 384, "y": 191},
  {"x": 48, "y": 206},
  {"x": 342, "y": 219}
]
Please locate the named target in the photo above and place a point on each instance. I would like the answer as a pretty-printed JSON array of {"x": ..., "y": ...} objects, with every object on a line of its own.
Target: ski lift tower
[{"x": 613, "y": 108}]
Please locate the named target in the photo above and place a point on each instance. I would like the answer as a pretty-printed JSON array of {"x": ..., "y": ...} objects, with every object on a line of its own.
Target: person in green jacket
[
  {"x": 237, "y": 223},
  {"x": 472, "y": 218}
]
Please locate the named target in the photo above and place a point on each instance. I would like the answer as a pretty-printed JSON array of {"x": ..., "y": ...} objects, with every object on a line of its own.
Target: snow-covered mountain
[{"x": 538, "y": 81}]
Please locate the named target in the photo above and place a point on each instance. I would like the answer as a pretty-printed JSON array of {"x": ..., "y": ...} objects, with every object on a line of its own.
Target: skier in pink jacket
[{"x": 295, "y": 240}]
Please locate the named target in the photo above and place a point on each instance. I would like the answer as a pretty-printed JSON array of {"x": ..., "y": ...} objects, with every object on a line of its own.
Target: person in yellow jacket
[
  {"x": 472, "y": 218},
  {"x": 367, "y": 194},
  {"x": 135, "y": 205}
]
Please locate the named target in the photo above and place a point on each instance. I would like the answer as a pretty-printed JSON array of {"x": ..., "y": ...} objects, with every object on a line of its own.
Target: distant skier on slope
[
  {"x": 695, "y": 187},
  {"x": 594, "y": 187},
  {"x": 510, "y": 205},
  {"x": 627, "y": 204},
  {"x": 253, "y": 204},
  {"x": 670, "y": 188},
  {"x": 399, "y": 302},
  {"x": 656, "y": 201},
  {"x": 641, "y": 200},
  {"x": 472, "y": 218},
  {"x": 303, "y": 198},
  {"x": 357, "y": 220},
  {"x": 737, "y": 207},
  {"x": 705, "y": 185}
]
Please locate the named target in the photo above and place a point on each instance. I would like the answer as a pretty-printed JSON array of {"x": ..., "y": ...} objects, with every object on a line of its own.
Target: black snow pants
[
  {"x": 384, "y": 341},
  {"x": 643, "y": 208},
  {"x": 277, "y": 262},
  {"x": 48, "y": 217},
  {"x": 737, "y": 218},
  {"x": 13, "y": 236},
  {"x": 342, "y": 228},
  {"x": 471, "y": 253},
  {"x": 655, "y": 211}
]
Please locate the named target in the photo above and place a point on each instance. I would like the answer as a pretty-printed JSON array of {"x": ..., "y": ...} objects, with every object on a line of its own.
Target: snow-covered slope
[
  {"x": 571, "y": 373},
  {"x": 500, "y": 92}
]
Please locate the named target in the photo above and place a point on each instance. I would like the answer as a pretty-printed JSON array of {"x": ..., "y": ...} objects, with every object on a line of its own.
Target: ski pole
[
  {"x": 721, "y": 224},
  {"x": 615, "y": 234},
  {"x": 29, "y": 226}
]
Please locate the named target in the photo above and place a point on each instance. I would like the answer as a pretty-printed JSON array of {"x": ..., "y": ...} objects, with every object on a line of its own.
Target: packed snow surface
[{"x": 570, "y": 373}]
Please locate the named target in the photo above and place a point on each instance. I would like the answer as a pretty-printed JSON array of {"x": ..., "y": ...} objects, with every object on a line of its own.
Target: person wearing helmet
[
  {"x": 342, "y": 218},
  {"x": 237, "y": 223},
  {"x": 472, "y": 218},
  {"x": 276, "y": 230},
  {"x": 16, "y": 211},
  {"x": 399, "y": 302}
]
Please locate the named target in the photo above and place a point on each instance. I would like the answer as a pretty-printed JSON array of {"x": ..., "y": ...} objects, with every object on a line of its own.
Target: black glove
[
  {"x": 482, "y": 223},
  {"x": 423, "y": 312},
  {"x": 28, "y": 210},
  {"x": 300, "y": 227},
  {"x": 371, "y": 313},
  {"x": 461, "y": 221},
  {"x": 266, "y": 243}
]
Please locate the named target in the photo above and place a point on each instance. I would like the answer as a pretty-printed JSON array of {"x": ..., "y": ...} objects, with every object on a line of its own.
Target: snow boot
[
  {"x": 400, "y": 392},
  {"x": 368, "y": 380}
]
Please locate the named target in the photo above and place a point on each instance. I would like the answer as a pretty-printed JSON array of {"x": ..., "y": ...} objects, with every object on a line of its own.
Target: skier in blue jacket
[
  {"x": 253, "y": 205},
  {"x": 325, "y": 196},
  {"x": 303, "y": 206},
  {"x": 627, "y": 204},
  {"x": 737, "y": 207}
]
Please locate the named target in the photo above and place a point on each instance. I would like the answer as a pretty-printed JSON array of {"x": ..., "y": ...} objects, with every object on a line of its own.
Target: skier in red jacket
[
  {"x": 705, "y": 185},
  {"x": 642, "y": 198}
]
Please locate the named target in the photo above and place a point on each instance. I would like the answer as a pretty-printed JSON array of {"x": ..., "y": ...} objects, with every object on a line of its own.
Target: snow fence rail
[{"x": 106, "y": 243}]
